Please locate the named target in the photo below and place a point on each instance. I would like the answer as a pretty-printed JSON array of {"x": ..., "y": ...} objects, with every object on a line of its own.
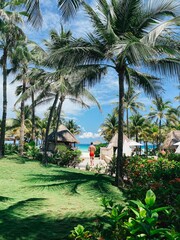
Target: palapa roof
[
  {"x": 114, "y": 140},
  {"x": 172, "y": 138},
  {"x": 63, "y": 135},
  {"x": 96, "y": 142}
]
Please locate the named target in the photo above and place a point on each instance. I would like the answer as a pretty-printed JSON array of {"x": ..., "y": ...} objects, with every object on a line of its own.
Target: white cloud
[{"x": 89, "y": 135}]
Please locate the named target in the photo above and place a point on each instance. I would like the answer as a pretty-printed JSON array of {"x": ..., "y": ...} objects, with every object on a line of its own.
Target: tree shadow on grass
[
  {"x": 5, "y": 199},
  {"x": 70, "y": 181},
  {"x": 14, "y": 226}
]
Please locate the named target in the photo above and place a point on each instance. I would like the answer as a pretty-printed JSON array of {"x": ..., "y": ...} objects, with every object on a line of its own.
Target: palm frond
[
  {"x": 33, "y": 9},
  {"x": 165, "y": 66},
  {"x": 151, "y": 37},
  {"x": 69, "y": 7},
  {"x": 149, "y": 83}
]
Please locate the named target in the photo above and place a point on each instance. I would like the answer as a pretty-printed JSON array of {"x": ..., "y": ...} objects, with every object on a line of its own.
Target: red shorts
[{"x": 91, "y": 154}]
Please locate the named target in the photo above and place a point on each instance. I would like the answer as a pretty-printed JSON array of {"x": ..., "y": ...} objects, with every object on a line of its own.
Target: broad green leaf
[
  {"x": 150, "y": 198},
  {"x": 160, "y": 209},
  {"x": 138, "y": 203},
  {"x": 142, "y": 212}
]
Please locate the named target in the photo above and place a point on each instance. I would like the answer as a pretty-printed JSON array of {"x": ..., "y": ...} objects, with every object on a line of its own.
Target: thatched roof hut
[
  {"x": 172, "y": 138},
  {"x": 114, "y": 140},
  {"x": 63, "y": 136}
]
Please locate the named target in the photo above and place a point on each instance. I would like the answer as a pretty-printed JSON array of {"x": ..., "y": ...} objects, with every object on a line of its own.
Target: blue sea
[{"x": 84, "y": 147}]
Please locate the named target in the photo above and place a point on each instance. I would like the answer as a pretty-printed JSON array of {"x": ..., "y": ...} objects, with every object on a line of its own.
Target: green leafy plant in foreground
[
  {"x": 134, "y": 221},
  {"x": 80, "y": 233}
]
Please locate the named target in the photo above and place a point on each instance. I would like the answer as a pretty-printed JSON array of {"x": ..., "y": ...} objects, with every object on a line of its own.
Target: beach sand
[{"x": 86, "y": 161}]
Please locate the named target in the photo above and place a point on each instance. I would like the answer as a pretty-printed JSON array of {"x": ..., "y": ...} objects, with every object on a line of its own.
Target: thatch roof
[
  {"x": 96, "y": 142},
  {"x": 63, "y": 135},
  {"x": 172, "y": 138},
  {"x": 114, "y": 140}
]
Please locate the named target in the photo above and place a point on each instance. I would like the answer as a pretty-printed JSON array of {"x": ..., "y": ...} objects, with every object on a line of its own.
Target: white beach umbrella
[
  {"x": 133, "y": 144},
  {"x": 178, "y": 149},
  {"x": 178, "y": 143}
]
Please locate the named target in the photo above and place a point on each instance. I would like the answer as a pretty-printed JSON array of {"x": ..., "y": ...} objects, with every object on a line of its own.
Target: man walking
[{"x": 91, "y": 150}]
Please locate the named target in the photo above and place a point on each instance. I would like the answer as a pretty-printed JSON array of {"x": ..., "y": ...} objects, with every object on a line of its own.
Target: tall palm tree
[
  {"x": 60, "y": 89},
  {"x": 131, "y": 104},
  {"x": 137, "y": 124},
  {"x": 126, "y": 34},
  {"x": 109, "y": 127},
  {"x": 10, "y": 34},
  {"x": 159, "y": 113},
  {"x": 22, "y": 57}
]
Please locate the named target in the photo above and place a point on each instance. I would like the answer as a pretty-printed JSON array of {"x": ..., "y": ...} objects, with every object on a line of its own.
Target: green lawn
[{"x": 47, "y": 202}]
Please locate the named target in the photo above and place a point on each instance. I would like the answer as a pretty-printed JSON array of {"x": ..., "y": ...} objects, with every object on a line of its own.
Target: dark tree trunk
[
  {"x": 127, "y": 122},
  {"x": 4, "y": 113},
  {"x": 33, "y": 117},
  {"x": 45, "y": 160},
  {"x": 119, "y": 167},
  {"x": 62, "y": 98},
  {"x": 160, "y": 137},
  {"x": 21, "y": 141}
]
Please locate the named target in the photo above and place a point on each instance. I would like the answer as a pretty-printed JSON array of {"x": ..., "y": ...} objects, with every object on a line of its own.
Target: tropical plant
[
  {"x": 138, "y": 125},
  {"x": 73, "y": 127},
  {"x": 10, "y": 34},
  {"x": 131, "y": 104},
  {"x": 126, "y": 35},
  {"x": 137, "y": 220},
  {"x": 159, "y": 114},
  {"x": 22, "y": 57},
  {"x": 28, "y": 8},
  {"x": 109, "y": 127},
  {"x": 14, "y": 124}
]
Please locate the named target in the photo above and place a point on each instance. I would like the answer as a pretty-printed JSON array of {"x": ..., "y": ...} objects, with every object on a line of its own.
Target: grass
[{"x": 39, "y": 202}]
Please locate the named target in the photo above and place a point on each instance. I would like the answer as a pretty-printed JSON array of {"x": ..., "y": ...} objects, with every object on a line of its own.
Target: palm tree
[
  {"x": 41, "y": 125},
  {"x": 73, "y": 127},
  {"x": 10, "y": 33},
  {"x": 14, "y": 124},
  {"x": 137, "y": 125},
  {"x": 131, "y": 104},
  {"x": 126, "y": 35},
  {"x": 22, "y": 57},
  {"x": 109, "y": 127},
  {"x": 159, "y": 113},
  {"x": 154, "y": 133},
  {"x": 32, "y": 10},
  {"x": 60, "y": 89}
]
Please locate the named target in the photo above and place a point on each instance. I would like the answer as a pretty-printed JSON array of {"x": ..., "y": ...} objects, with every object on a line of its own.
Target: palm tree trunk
[
  {"x": 45, "y": 160},
  {"x": 159, "y": 144},
  {"x": 33, "y": 117},
  {"x": 119, "y": 167},
  {"x": 4, "y": 114},
  {"x": 21, "y": 141},
  {"x": 58, "y": 117},
  {"x": 127, "y": 122}
]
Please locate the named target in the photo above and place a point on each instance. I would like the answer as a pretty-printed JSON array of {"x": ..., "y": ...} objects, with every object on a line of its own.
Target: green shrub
[
  {"x": 66, "y": 158},
  {"x": 111, "y": 168},
  {"x": 10, "y": 149},
  {"x": 137, "y": 220},
  {"x": 97, "y": 152},
  {"x": 31, "y": 150},
  {"x": 174, "y": 156}
]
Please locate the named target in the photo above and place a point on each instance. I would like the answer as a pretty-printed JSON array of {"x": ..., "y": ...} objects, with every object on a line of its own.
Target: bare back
[{"x": 92, "y": 148}]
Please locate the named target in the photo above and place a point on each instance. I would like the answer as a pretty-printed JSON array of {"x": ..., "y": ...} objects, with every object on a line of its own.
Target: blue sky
[{"x": 105, "y": 92}]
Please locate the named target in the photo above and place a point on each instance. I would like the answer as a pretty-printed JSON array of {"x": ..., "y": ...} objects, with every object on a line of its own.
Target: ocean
[{"x": 84, "y": 147}]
